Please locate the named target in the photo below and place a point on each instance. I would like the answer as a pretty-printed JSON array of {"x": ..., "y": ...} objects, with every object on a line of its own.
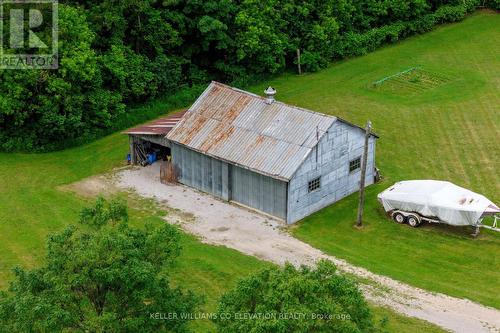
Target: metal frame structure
[{"x": 415, "y": 219}]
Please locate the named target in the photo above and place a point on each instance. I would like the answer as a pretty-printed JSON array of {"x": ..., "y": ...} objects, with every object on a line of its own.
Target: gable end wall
[{"x": 330, "y": 161}]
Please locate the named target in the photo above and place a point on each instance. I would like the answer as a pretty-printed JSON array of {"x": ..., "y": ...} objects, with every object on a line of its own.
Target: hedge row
[{"x": 356, "y": 44}]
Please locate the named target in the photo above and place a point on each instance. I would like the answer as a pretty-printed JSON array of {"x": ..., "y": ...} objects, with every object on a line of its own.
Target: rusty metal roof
[
  {"x": 241, "y": 128},
  {"x": 159, "y": 126}
]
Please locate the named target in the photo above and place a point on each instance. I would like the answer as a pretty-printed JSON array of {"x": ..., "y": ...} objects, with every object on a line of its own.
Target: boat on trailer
[{"x": 435, "y": 201}]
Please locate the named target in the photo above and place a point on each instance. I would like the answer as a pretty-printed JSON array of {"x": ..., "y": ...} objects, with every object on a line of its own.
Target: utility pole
[
  {"x": 298, "y": 61},
  {"x": 359, "y": 222}
]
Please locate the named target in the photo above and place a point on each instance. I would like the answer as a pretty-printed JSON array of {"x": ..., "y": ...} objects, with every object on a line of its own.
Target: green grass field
[
  {"x": 444, "y": 129},
  {"x": 32, "y": 205},
  {"x": 447, "y": 131}
]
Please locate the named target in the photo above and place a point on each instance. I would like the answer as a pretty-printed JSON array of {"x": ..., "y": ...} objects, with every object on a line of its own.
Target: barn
[{"x": 255, "y": 151}]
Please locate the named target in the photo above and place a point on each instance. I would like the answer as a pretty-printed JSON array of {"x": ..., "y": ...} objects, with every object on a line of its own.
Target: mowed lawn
[
  {"x": 32, "y": 206},
  {"x": 446, "y": 128}
]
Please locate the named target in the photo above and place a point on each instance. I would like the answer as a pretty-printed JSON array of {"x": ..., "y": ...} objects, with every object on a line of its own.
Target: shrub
[
  {"x": 295, "y": 300},
  {"x": 449, "y": 14}
]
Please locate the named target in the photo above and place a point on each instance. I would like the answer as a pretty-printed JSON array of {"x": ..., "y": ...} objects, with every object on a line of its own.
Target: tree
[
  {"x": 261, "y": 42},
  {"x": 295, "y": 300},
  {"x": 119, "y": 53},
  {"x": 101, "y": 277},
  {"x": 41, "y": 107},
  {"x": 312, "y": 27}
]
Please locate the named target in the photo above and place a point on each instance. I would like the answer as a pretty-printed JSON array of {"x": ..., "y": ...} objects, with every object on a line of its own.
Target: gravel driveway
[{"x": 218, "y": 222}]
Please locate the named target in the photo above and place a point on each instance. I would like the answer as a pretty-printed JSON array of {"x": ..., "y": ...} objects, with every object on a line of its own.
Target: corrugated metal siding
[
  {"x": 258, "y": 191},
  {"x": 342, "y": 144},
  {"x": 199, "y": 171},
  {"x": 241, "y": 128},
  {"x": 230, "y": 182}
]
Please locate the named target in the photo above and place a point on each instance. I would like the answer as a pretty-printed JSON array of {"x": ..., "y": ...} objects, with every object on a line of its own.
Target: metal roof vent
[{"x": 270, "y": 92}]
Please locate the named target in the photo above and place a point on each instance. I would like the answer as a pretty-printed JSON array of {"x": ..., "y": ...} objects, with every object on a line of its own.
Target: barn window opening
[
  {"x": 355, "y": 164},
  {"x": 314, "y": 184}
]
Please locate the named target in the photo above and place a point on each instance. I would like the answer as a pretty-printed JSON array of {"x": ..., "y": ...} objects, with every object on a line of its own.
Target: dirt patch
[{"x": 92, "y": 187}]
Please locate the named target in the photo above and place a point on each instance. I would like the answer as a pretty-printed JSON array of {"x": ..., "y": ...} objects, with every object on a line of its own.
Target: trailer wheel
[
  {"x": 413, "y": 220},
  {"x": 399, "y": 218}
]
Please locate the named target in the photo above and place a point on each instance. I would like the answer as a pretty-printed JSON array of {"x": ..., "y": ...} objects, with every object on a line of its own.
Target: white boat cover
[{"x": 448, "y": 202}]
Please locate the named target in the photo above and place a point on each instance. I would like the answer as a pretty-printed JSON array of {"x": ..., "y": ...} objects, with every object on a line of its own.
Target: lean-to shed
[{"x": 150, "y": 137}]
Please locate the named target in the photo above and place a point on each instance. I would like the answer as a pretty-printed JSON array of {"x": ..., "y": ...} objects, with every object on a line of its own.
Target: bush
[
  {"x": 355, "y": 44},
  {"x": 295, "y": 300},
  {"x": 449, "y": 14}
]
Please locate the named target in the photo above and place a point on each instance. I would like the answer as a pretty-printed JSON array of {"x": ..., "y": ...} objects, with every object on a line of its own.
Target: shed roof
[
  {"x": 242, "y": 128},
  {"x": 160, "y": 126}
]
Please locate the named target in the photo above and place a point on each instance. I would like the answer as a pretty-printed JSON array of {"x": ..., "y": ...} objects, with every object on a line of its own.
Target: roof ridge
[
  {"x": 275, "y": 101},
  {"x": 291, "y": 106}
]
